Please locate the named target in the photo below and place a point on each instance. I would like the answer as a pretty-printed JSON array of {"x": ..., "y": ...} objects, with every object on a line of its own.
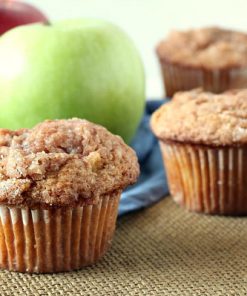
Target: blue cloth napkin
[{"x": 152, "y": 184}]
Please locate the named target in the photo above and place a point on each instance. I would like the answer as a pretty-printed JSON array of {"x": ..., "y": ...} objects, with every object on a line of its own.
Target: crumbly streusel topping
[
  {"x": 211, "y": 48},
  {"x": 203, "y": 118},
  {"x": 63, "y": 162}
]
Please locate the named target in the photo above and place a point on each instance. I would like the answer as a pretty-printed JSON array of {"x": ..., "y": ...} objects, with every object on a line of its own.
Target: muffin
[
  {"x": 212, "y": 58},
  {"x": 60, "y": 185},
  {"x": 203, "y": 138}
]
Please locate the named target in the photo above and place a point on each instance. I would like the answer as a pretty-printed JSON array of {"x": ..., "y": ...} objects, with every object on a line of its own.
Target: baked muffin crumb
[
  {"x": 209, "y": 48},
  {"x": 203, "y": 118},
  {"x": 63, "y": 163}
]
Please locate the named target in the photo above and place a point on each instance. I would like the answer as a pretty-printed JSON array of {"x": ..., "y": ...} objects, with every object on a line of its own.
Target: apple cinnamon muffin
[
  {"x": 203, "y": 138},
  {"x": 60, "y": 184},
  {"x": 212, "y": 58}
]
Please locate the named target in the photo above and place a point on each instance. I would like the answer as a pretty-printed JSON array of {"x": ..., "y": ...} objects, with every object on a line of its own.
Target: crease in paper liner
[
  {"x": 208, "y": 180},
  {"x": 181, "y": 78},
  {"x": 46, "y": 241}
]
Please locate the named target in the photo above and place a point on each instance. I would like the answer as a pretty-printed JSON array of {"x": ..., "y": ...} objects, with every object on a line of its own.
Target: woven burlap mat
[{"x": 162, "y": 250}]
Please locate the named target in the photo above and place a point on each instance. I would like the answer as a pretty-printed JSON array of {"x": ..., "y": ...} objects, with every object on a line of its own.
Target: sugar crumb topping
[
  {"x": 63, "y": 162},
  {"x": 202, "y": 117},
  {"x": 207, "y": 47}
]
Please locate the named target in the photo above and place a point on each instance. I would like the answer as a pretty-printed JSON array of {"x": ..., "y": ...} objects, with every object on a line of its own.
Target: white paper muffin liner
[
  {"x": 54, "y": 240},
  {"x": 208, "y": 180},
  {"x": 180, "y": 78}
]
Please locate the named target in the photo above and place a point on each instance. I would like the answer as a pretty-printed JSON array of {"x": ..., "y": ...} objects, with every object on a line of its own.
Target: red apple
[{"x": 14, "y": 13}]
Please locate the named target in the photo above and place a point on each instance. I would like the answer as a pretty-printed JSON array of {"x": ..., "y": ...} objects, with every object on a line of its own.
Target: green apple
[{"x": 76, "y": 68}]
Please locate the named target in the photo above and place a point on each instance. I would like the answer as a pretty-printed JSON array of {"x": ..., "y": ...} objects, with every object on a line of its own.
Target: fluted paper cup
[
  {"x": 54, "y": 240},
  {"x": 207, "y": 179},
  {"x": 181, "y": 78}
]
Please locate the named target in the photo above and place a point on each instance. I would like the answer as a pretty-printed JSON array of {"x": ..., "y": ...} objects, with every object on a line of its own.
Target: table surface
[{"x": 163, "y": 250}]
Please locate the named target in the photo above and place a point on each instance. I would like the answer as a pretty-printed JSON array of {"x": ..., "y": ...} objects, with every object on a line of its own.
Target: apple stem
[{"x": 47, "y": 23}]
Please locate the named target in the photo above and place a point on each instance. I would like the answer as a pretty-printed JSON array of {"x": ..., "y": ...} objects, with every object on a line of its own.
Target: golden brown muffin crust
[
  {"x": 63, "y": 162},
  {"x": 210, "y": 48},
  {"x": 203, "y": 118}
]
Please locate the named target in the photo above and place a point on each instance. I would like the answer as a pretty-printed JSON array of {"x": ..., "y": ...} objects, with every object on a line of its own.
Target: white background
[{"x": 148, "y": 21}]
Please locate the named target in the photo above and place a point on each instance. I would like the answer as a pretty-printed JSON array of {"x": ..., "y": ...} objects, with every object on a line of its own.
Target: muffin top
[
  {"x": 63, "y": 163},
  {"x": 210, "y": 48},
  {"x": 203, "y": 118}
]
